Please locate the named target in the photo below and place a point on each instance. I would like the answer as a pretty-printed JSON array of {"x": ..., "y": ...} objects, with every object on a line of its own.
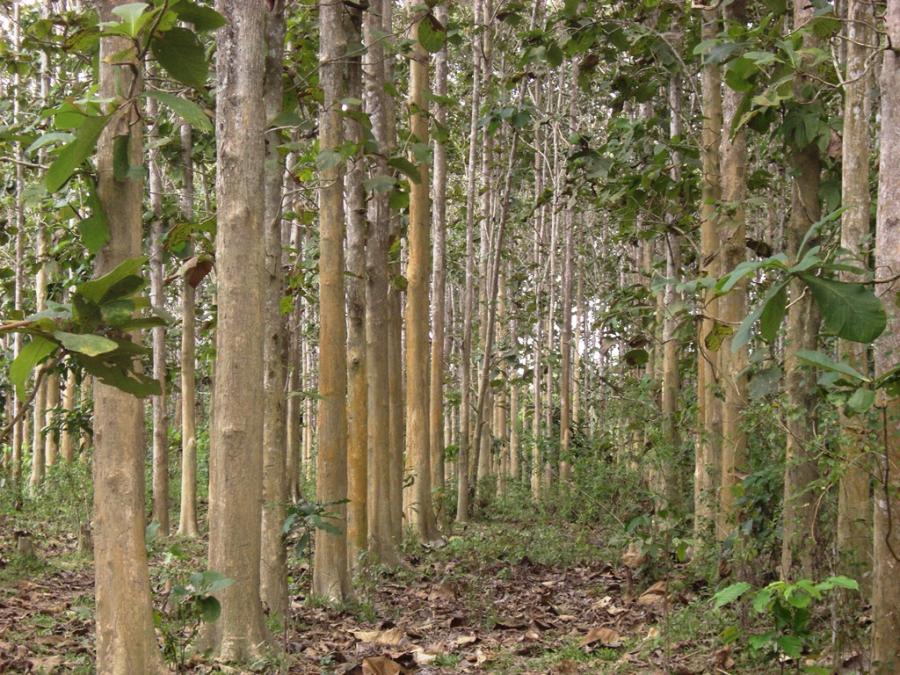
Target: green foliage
[
  {"x": 189, "y": 602},
  {"x": 788, "y": 608},
  {"x": 304, "y": 518},
  {"x": 93, "y": 331}
]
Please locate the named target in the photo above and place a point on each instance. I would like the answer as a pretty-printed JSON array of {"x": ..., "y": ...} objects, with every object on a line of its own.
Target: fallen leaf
[
  {"x": 464, "y": 640},
  {"x": 605, "y": 637},
  {"x": 381, "y": 665},
  {"x": 389, "y": 638}
]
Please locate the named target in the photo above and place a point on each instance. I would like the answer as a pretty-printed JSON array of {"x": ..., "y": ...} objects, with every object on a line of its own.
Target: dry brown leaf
[
  {"x": 381, "y": 665},
  {"x": 605, "y": 637},
  {"x": 464, "y": 640},
  {"x": 633, "y": 556},
  {"x": 389, "y": 638}
]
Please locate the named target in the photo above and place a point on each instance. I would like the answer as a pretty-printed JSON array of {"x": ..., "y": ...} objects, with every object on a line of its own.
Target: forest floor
[{"x": 496, "y": 597}]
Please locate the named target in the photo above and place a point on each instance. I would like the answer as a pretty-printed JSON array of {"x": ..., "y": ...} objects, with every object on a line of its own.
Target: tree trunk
[
  {"x": 438, "y": 286},
  {"x": 797, "y": 551},
  {"x": 330, "y": 577},
  {"x": 381, "y": 543},
  {"x": 273, "y": 589},
  {"x": 733, "y": 306},
  {"x": 357, "y": 390},
  {"x": 51, "y": 442},
  {"x": 854, "y": 499},
  {"x": 465, "y": 431},
  {"x": 709, "y": 410},
  {"x": 160, "y": 461},
  {"x": 124, "y": 615},
  {"x": 67, "y": 438},
  {"x": 236, "y": 453},
  {"x": 885, "y": 589},
  {"x": 419, "y": 513},
  {"x": 187, "y": 517},
  {"x": 670, "y": 385}
]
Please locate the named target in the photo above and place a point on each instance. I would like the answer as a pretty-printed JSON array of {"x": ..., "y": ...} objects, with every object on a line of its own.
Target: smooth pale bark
[
  {"x": 538, "y": 262},
  {"x": 799, "y": 510},
  {"x": 732, "y": 227},
  {"x": 39, "y": 410},
  {"x": 854, "y": 494},
  {"x": 18, "y": 432},
  {"x": 565, "y": 333},
  {"x": 51, "y": 443},
  {"x": 482, "y": 444},
  {"x": 187, "y": 516},
  {"x": 330, "y": 575},
  {"x": 67, "y": 436},
  {"x": 294, "y": 438},
  {"x": 236, "y": 454},
  {"x": 438, "y": 284},
  {"x": 465, "y": 414},
  {"x": 885, "y": 589},
  {"x": 396, "y": 424},
  {"x": 381, "y": 543},
  {"x": 125, "y": 640},
  {"x": 357, "y": 388},
  {"x": 419, "y": 510},
  {"x": 670, "y": 382},
  {"x": 273, "y": 590},
  {"x": 160, "y": 461},
  {"x": 708, "y": 442}
]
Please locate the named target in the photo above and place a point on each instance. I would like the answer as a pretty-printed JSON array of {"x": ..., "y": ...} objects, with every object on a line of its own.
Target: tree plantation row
[{"x": 302, "y": 297}]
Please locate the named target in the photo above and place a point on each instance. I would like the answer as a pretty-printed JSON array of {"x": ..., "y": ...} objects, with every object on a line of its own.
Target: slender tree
[
  {"x": 885, "y": 589},
  {"x": 236, "y": 457},
  {"x": 273, "y": 561},
  {"x": 330, "y": 576},
  {"x": 124, "y": 614},
  {"x": 419, "y": 512}
]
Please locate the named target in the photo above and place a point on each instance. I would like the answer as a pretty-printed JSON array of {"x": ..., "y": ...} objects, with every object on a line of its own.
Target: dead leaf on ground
[
  {"x": 381, "y": 665},
  {"x": 603, "y": 636},
  {"x": 389, "y": 638},
  {"x": 633, "y": 557},
  {"x": 464, "y": 640}
]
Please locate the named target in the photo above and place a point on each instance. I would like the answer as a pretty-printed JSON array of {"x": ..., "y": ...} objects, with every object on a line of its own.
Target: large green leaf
[
  {"x": 187, "y": 110},
  {"x": 180, "y": 52},
  {"x": 849, "y": 310},
  {"x": 731, "y": 593},
  {"x": 200, "y": 17},
  {"x": 820, "y": 360},
  {"x": 72, "y": 155},
  {"x": 97, "y": 289},
  {"x": 94, "y": 229},
  {"x": 29, "y": 356},
  {"x": 767, "y": 313},
  {"x": 432, "y": 35},
  {"x": 85, "y": 343}
]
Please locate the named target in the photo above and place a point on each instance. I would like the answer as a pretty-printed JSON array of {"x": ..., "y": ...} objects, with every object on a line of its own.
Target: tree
[
  {"x": 885, "y": 589},
  {"x": 802, "y": 330},
  {"x": 854, "y": 509},
  {"x": 160, "y": 427},
  {"x": 357, "y": 390},
  {"x": 419, "y": 511},
  {"x": 187, "y": 515},
  {"x": 381, "y": 542},
  {"x": 124, "y": 614},
  {"x": 273, "y": 560},
  {"x": 708, "y": 448},
  {"x": 733, "y": 307},
  {"x": 236, "y": 458},
  {"x": 439, "y": 275},
  {"x": 330, "y": 576}
]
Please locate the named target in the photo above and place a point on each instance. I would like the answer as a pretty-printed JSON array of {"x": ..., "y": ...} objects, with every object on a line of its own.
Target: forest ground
[{"x": 519, "y": 593}]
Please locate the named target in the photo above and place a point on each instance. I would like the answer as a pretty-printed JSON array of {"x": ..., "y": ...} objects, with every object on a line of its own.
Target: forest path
[{"x": 495, "y": 598}]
